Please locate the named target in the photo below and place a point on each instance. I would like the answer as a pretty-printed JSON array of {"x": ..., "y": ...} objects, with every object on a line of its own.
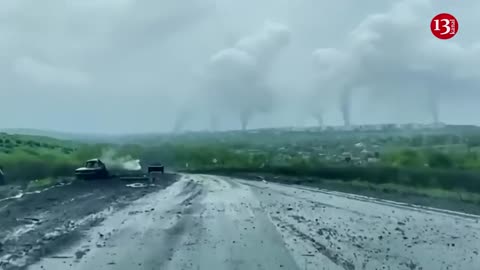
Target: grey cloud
[
  {"x": 235, "y": 79},
  {"x": 125, "y": 64},
  {"x": 44, "y": 73}
]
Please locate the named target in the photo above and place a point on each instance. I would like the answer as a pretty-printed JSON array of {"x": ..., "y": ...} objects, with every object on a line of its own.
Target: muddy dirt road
[
  {"x": 209, "y": 222},
  {"x": 37, "y": 224}
]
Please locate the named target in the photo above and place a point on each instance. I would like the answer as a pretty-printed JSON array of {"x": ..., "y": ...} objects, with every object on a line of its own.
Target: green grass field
[{"x": 437, "y": 163}]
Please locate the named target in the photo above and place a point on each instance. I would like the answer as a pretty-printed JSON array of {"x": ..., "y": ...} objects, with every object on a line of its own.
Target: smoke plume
[
  {"x": 319, "y": 117},
  {"x": 376, "y": 56},
  {"x": 345, "y": 105},
  {"x": 112, "y": 161},
  {"x": 330, "y": 82},
  {"x": 238, "y": 76},
  {"x": 180, "y": 120}
]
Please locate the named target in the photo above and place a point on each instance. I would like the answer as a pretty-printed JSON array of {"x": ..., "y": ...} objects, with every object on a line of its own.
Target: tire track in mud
[
  {"x": 187, "y": 225},
  {"x": 232, "y": 228},
  {"x": 192, "y": 190},
  {"x": 22, "y": 193},
  {"x": 300, "y": 198},
  {"x": 38, "y": 224},
  {"x": 175, "y": 237},
  {"x": 157, "y": 225},
  {"x": 43, "y": 243},
  {"x": 181, "y": 226},
  {"x": 331, "y": 254}
]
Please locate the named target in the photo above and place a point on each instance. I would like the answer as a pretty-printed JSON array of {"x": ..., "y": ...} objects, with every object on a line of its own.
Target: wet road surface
[{"x": 210, "y": 222}]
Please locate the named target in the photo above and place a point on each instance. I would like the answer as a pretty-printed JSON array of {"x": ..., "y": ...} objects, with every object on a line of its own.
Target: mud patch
[
  {"x": 332, "y": 255},
  {"x": 192, "y": 197},
  {"x": 189, "y": 187},
  {"x": 80, "y": 253},
  {"x": 38, "y": 225}
]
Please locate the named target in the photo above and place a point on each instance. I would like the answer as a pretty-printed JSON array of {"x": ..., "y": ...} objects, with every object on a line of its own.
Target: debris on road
[
  {"x": 29, "y": 220},
  {"x": 60, "y": 257},
  {"x": 137, "y": 185}
]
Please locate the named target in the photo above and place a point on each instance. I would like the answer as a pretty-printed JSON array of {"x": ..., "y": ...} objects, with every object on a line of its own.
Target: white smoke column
[
  {"x": 233, "y": 74},
  {"x": 181, "y": 119},
  {"x": 390, "y": 55},
  {"x": 345, "y": 105},
  {"x": 119, "y": 163},
  {"x": 319, "y": 117},
  {"x": 328, "y": 84},
  {"x": 131, "y": 164},
  {"x": 237, "y": 76}
]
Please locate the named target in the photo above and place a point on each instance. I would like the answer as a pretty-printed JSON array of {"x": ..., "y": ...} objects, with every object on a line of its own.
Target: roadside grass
[
  {"x": 460, "y": 195},
  {"x": 448, "y": 174},
  {"x": 25, "y": 158},
  {"x": 21, "y": 166}
]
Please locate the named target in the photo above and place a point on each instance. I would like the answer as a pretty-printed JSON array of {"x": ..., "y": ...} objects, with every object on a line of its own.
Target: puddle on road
[
  {"x": 139, "y": 185},
  {"x": 18, "y": 196},
  {"x": 21, "y": 194}
]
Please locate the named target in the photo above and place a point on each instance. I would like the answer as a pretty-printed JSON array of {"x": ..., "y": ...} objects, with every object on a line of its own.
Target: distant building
[{"x": 360, "y": 144}]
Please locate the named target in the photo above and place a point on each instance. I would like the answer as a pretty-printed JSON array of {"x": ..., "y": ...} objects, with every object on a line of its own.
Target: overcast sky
[{"x": 116, "y": 66}]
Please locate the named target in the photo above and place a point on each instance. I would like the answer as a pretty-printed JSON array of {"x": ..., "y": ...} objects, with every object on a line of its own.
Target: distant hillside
[
  {"x": 17, "y": 141},
  {"x": 81, "y": 137},
  {"x": 256, "y": 135},
  {"x": 89, "y": 137}
]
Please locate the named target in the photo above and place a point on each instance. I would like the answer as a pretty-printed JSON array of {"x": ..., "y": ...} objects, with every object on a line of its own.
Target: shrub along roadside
[
  {"x": 24, "y": 164},
  {"x": 27, "y": 164},
  {"x": 24, "y": 167}
]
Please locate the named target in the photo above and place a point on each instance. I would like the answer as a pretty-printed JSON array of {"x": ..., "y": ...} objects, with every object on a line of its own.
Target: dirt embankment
[{"x": 37, "y": 224}]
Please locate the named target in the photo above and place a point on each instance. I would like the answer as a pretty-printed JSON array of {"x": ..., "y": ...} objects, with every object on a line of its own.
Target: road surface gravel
[{"x": 209, "y": 222}]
